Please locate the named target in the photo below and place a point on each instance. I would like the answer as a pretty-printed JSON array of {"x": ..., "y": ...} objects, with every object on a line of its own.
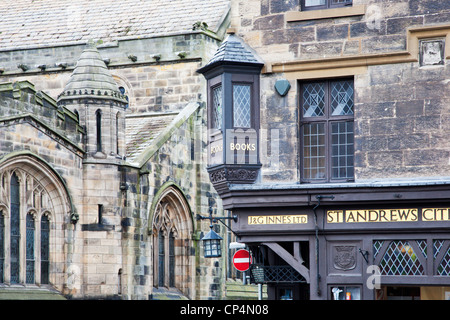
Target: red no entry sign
[{"x": 242, "y": 260}]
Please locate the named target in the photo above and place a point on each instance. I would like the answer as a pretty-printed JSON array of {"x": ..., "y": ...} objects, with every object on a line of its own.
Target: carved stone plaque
[
  {"x": 344, "y": 257},
  {"x": 432, "y": 52}
]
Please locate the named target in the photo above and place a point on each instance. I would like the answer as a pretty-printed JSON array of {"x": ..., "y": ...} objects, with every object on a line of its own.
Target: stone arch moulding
[
  {"x": 170, "y": 191},
  {"x": 49, "y": 178},
  {"x": 170, "y": 213},
  {"x": 60, "y": 209}
]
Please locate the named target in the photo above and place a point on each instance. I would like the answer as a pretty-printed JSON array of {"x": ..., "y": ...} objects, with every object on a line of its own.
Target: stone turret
[{"x": 94, "y": 96}]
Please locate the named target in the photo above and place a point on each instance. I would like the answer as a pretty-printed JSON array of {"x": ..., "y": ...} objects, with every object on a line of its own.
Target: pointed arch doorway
[{"x": 172, "y": 247}]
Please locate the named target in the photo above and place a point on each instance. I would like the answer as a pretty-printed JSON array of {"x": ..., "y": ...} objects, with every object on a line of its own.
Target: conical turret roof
[
  {"x": 91, "y": 79},
  {"x": 233, "y": 50}
]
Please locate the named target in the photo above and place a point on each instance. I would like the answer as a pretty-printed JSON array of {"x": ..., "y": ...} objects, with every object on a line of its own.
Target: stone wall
[
  {"x": 43, "y": 149},
  {"x": 157, "y": 73},
  {"x": 112, "y": 251},
  {"x": 400, "y": 104},
  {"x": 402, "y": 114}
]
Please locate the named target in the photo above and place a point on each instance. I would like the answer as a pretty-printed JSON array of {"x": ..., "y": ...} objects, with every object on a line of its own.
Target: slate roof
[
  {"x": 234, "y": 50},
  {"x": 32, "y": 23},
  {"x": 91, "y": 78},
  {"x": 141, "y": 131}
]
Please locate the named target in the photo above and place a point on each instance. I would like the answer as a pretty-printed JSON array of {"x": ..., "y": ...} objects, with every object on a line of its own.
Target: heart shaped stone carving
[{"x": 282, "y": 86}]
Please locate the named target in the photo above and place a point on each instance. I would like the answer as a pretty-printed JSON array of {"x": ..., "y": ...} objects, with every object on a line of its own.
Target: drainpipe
[{"x": 318, "y": 197}]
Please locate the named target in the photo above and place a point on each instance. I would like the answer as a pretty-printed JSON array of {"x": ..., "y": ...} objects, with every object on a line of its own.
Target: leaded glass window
[
  {"x": 313, "y": 99},
  {"x": 314, "y": 151},
  {"x": 2, "y": 246},
  {"x": 342, "y": 150},
  {"x": 24, "y": 243},
  {"x": 166, "y": 246},
  {"x": 241, "y": 106},
  {"x": 323, "y": 4},
  {"x": 341, "y": 98},
  {"x": 15, "y": 229},
  {"x": 217, "y": 112},
  {"x": 161, "y": 260},
  {"x": 327, "y": 130},
  {"x": 442, "y": 253},
  {"x": 377, "y": 247},
  {"x": 400, "y": 259},
  {"x": 45, "y": 249},
  {"x": 30, "y": 234},
  {"x": 171, "y": 260}
]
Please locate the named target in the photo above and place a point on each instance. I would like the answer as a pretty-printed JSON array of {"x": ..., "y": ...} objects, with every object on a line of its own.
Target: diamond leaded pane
[
  {"x": 314, "y": 99},
  {"x": 437, "y": 245},
  {"x": 376, "y": 247},
  {"x": 444, "y": 266},
  {"x": 241, "y": 106},
  {"x": 400, "y": 260},
  {"x": 423, "y": 247},
  {"x": 217, "y": 108},
  {"x": 341, "y": 98}
]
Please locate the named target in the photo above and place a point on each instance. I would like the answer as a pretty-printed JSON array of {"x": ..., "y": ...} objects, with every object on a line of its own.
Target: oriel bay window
[
  {"x": 233, "y": 113},
  {"x": 327, "y": 133}
]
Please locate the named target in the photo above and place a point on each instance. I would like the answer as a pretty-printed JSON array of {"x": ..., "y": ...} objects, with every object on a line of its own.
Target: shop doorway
[
  {"x": 413, "y": 293},
  {"x": 298, "y": 291},
  {"x": 284, "y": 282}
]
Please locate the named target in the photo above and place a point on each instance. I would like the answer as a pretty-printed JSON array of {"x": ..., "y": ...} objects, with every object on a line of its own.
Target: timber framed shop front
[{"x": 355, "y": 241}]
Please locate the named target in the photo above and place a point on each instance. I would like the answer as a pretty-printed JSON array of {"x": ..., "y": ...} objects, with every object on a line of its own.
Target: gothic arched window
[
  {"x": 24, "y": 229},
  {"x": 173, "y": 255},
  {"x": 165, "y": 232},
  {"x": 2, "y": 245},
  {"x": 45, "y": 249},
  {"x": 15, "y": 229},
  {"x": 98, "y": 118},
  {"x": 30, "y": 234}
]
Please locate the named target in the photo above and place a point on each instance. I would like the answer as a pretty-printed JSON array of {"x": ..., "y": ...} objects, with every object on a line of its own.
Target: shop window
[
  {"x": 348, "y": 292},
  {"x": 327, "y": 130},
  {"x": 323, "y": 4},
  {"x": 285, "y": 294}
]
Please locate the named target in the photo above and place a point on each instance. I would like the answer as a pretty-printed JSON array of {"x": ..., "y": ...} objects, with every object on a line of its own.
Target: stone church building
[{"x": 102, "y": 148}]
